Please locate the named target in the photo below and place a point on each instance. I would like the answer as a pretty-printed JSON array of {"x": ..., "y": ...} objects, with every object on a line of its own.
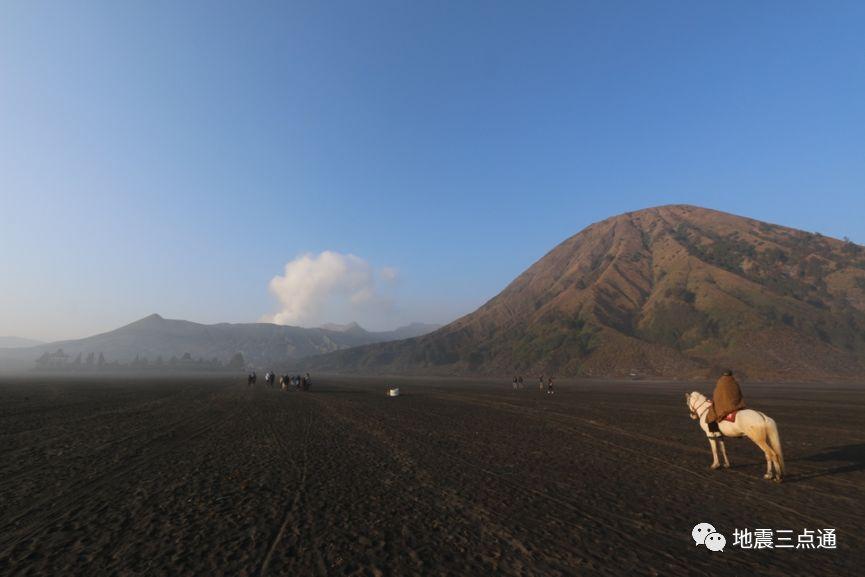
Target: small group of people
[
  {"x": 297, "y": 382},
  {"x": 269, "y": 378},
  {"x": 549, "y": 384},
  {"x": 543, "y": 386}
]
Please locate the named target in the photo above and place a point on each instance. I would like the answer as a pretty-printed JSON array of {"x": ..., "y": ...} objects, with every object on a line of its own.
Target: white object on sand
[{"x": 393, "y": 392}]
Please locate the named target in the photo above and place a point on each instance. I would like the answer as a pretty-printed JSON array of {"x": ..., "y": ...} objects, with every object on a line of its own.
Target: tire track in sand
[
  {"x": 290, "y": 513},
  {"x": 483, "y": 515},
  {"x": 473, "y": 512}
]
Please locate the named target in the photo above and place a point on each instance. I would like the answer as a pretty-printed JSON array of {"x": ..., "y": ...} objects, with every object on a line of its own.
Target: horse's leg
[
  {"x": 769, "y": 453},
  {"x": 724, "y": 453},
  {"x": 773, "y": 439},
  {"x": 714, "y": 444}
]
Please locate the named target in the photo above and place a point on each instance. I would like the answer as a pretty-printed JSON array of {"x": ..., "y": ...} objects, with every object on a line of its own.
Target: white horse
[{"x": 749, "y": 423}]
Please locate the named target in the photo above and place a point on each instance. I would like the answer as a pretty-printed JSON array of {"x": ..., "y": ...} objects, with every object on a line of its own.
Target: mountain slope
[
  {"x": 406, "y": 332},
  {"x": 260, "y": 343},
  {"x": 674, "y": 291},
  {"x": 17, "y": 342}
]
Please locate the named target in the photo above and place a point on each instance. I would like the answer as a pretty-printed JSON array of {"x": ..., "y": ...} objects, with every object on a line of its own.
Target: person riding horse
[{"x": 726, "y": 399}]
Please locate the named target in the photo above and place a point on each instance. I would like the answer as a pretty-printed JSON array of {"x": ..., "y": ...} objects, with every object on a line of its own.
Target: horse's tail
[{"x": 775, "y": 441}]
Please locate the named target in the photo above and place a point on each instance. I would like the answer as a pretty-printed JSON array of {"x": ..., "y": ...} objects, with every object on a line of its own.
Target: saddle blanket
[{"x": 731, "y": 417}]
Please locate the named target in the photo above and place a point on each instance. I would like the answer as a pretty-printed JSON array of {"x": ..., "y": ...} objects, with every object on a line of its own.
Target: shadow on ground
[{"x": 852, "y": 457}]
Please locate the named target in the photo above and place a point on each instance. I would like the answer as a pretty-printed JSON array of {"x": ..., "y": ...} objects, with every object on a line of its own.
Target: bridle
[{"x": 695, "y": 411}]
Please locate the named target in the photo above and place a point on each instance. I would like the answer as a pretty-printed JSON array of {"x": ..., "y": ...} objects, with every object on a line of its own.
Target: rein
[{"x": 696, "y": 411}]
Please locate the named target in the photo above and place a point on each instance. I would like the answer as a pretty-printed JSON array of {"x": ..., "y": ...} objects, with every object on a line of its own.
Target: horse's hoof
[
  {"x": 714, "y": 467},
  {"x": 778, "y": 480},
  {"x": 726, "y": 465},
  {"x": 768, "y": 477}
]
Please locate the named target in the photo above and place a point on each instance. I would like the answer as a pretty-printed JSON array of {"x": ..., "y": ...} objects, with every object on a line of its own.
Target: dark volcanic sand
[{"x": 185, "y": 477}]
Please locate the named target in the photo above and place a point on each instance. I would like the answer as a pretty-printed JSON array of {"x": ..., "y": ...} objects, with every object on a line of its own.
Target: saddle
[
  {"x": 715, "y": 430},
  {"x": 731, "y": 417}
]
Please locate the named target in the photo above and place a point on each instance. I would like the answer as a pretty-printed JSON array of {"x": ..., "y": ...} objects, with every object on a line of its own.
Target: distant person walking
[
  {"x": 550, "y": 389},
  {"x": 541, "y": 383}
]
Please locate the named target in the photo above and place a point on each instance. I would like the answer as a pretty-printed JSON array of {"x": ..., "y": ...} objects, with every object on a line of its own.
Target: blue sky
[{"x": 174, "y": 157}]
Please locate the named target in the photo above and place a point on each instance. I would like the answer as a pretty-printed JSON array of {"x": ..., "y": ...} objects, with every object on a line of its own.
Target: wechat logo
[{"x": 705, "y": 534}]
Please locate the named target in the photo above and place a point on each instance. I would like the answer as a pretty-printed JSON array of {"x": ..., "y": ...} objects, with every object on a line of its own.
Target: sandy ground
[{"x": 188, "y": 477}]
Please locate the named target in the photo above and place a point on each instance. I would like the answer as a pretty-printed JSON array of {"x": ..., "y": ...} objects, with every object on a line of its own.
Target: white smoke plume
[{"x": 328, "y": 287}]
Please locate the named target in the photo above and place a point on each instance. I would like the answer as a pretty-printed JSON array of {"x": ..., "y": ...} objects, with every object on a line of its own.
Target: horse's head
[{"x": 693, "y": 400}]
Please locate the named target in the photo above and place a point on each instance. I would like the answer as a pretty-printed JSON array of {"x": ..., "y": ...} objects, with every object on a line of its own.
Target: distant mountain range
[
  {"x": 674, "y": 291},
  {"x": 261, "y": 344},
  {"x": 17, "y": 342},
  {"x": 406, "y": 332}
]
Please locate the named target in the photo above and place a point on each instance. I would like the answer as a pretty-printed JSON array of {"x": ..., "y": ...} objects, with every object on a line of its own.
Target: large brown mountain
[{"x": 674, "y": 291}]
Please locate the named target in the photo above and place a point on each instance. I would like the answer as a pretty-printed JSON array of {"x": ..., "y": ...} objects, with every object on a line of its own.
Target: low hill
[
  {"x": 154, "y": 337},
  {"x": 674, "y": 291},
  {"x": 17, "y": 342}
]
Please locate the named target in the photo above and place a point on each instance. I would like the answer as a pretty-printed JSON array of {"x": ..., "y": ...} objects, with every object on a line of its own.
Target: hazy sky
[{"x": 393, "y": 161}]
